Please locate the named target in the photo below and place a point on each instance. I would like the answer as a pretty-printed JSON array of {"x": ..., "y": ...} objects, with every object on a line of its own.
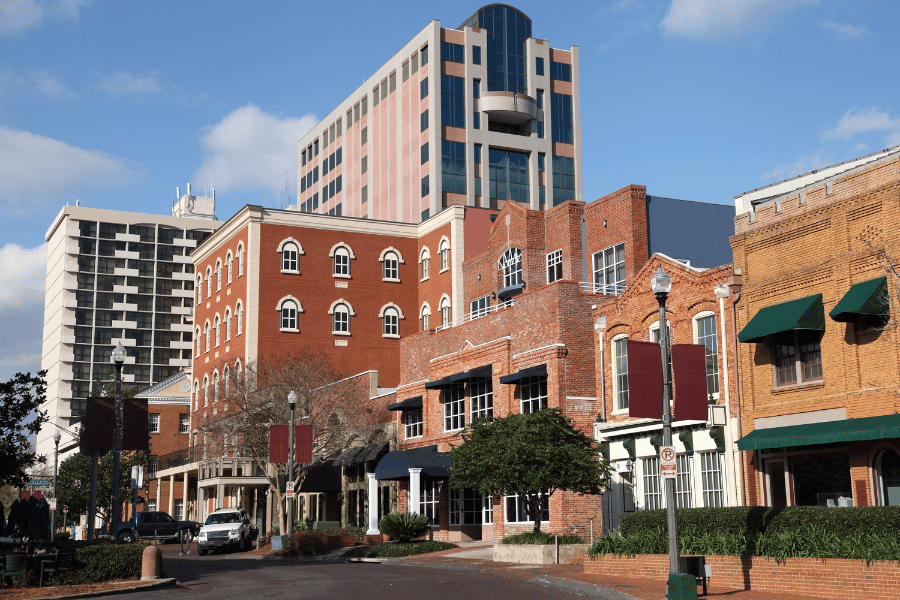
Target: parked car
[
  {"x": 156, "y": 525},
  {"x": 225, "y": 527}
]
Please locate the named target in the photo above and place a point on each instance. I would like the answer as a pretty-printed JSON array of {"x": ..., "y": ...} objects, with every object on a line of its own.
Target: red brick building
[{"x": 819, "y": 357}]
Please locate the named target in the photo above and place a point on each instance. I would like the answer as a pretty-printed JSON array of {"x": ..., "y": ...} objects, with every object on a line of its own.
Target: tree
[
  {"x": 20, "y": 397},
  {"x": 532, "y": 455},
  {"x": 325, "y": 401},
  {"x": 74, "y": 483}
]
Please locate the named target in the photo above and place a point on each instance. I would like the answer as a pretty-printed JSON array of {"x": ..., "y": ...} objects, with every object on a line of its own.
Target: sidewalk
[{"x": 480, "y": 554}]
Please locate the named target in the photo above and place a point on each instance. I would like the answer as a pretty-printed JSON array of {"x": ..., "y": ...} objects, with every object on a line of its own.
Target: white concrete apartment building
[
  {"x": 116, "y": 276},
  {"x": 476, "y": 115}
]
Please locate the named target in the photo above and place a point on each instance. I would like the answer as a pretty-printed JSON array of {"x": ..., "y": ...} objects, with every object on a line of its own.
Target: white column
[
  {"x": 185, "y": 505},
  {"x": 171, "y": 495},
  {"x": 415, "y": 491},
  {"x": 373, "y": 505},
  {"x": 220, "y": 496}
]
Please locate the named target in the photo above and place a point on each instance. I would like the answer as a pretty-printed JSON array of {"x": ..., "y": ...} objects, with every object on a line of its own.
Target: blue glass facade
[{"x": 507, "y": 30}]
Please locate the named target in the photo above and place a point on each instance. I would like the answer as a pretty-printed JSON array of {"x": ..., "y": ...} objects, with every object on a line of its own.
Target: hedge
[
  {"x": 105, "y": 561},
  {"x": 869, "y": 533},
  {"x": 541, "y": 538}
]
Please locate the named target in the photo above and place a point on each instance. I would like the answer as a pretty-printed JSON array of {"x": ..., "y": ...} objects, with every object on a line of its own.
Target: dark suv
[{"x": 156, "y": 525}]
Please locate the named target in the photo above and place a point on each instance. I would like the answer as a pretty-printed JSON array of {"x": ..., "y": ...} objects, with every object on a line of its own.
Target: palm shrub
[{"x": 404, "y": 527}]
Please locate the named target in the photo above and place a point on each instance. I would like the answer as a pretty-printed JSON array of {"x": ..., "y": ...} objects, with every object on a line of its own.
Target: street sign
[
  {"x": 52, "y": 503},
  {"x": 137, "y": 477},
  {"x": 289, "y": 493},
  {"x": 667, "y": 466},
  {"x": 39, "y": 483}
]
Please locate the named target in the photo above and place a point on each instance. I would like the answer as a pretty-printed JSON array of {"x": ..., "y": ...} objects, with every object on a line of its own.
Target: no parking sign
[{"x": 667, "y": 466}]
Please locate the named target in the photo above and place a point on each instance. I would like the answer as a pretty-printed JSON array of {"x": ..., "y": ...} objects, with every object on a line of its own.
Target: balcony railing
[
  {"x": 475, "y": 314},
  {"x": 607, "y": 289}
]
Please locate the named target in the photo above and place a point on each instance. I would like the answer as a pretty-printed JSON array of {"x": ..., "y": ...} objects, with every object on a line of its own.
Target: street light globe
[
  {"x": 118, "y": 353},
  {"x": 292, "y": 398},
  {"x": 56, "y": 437},
  {"x": 661, "y": 283}
]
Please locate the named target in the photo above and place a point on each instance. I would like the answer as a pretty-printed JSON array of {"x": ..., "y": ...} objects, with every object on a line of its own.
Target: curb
[{"x": 156, "y": 585}]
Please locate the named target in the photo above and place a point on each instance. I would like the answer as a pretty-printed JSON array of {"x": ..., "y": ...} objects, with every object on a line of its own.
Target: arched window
[
  {"x": 390, "y": 320},
  {"x": 218, "y": 275},
  {"x": 216, "y": 387},
  {"x": 390, "y": 266},
  {"x": 199, "y": 289},
  {"x": 444, "y": 250},
  {"x": 207, "y": 336},
  {"x": 424, "y": 258},
  {"x": 240, "y": 260},
  {"x": 227, "y": 324},
  {"x": 341, "y": 261},
  {"x": 199, "y": 338},
  {"x": 196, "y": 395},
  {"x": 289, "y": 307},
  {"x": 225, "y": 379},
  {"x": 510, "y": 266},
  {"x": 239, "y": 317},
  {"x": 205, "y": 390},
  {"x": 425, "y": 317},
  {"x": 290, "y": 250},
  {"x": 237, "y": 373},
  {"x": 340, "y": 312},
  {"x": 445, "y": 310},
  {"x": 229, "y": 265},
  {"x": 218, "y": 329}
]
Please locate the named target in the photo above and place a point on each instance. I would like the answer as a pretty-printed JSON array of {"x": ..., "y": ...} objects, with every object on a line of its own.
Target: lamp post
[
  {"x": 292, "y": 400},
  {"x": 56, "y": 438},
  {"x": 118, "y": 357},
  {"x": 661, "y": 283}
]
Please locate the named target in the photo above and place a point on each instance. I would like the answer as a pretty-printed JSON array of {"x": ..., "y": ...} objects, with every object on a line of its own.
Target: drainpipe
[
  {"x": 600, "y": 326},
  {"x": 584, "y": 269},
  {"x": 735, "y": 283},
  {"x": 721, "y": 291}
]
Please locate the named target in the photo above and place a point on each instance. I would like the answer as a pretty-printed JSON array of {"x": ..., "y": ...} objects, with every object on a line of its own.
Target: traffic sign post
[
  {"x": 289, "y": 492},
  {"x": 667, "y": 466}
]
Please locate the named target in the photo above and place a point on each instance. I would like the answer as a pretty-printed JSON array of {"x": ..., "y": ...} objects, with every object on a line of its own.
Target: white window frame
[
  {"x": 425, "y": 317},
  {"x": 341, "y": 255},
  {"x": 712, "y": 479},
  {"x": 390, "y": 260},
  {"x": 227, "y": 324},
  {"x": 184, "y": 423},
  {"x": 208, "y": 282},
  {"x": 390, "y": 321},
  {"x": 218, "y": 275},
  {"x": 444, "y": 253},
  {"x": 600, "y": 269},
  {"x": 454, "y": 400},
  {"x": 684, "y": 473},
  {"x": 481, "y": 398},
  {"x": 430, "y": 499},
  {"x": 215, "y": 387},
  {"x": 239, "y": 316},
  {"x": 510, "y": 266},
  {"x": 479, "y": 306},
  {"x": 652, "y": 496},
  {"x": 199, "y": 289},
  {"x": 196, "y": 395},
  {"x": 153, "y": 420},
  {"x": 532, "y": 394},
  {"x": 290, "y": 250},
  {"x": 620, "y": 396},
  {"x": 519, "y": 512},
  {"x": 288, "y": 316},
  {"x": 445, "y": 310},
  {"x": 199, "y": 334},
  {"x": 217, "y": 326},
  {"x": 424, "y": 259},
  {"x": 695, "y": 323},
  {"x": 554, "y": 266},
  {"x": 226, "y": 383},
  {"x": 205, "y": 390},
  {"x": 229, "y": 266},
  {"x": 340, "y": 325},
  {"x": 240, "y": 260},
  {"x": 206, "y": 333},
  {"x": 412, "y": 423}
]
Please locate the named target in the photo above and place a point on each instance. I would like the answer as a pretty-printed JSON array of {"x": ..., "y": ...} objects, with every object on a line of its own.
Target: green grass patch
[
  {"x": 398, "y": 549},
  {"x": 541, "y": 538}
]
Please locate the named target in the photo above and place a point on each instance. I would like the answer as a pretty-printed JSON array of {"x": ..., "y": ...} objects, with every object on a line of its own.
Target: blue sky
[{"x": 117, "y": 103}]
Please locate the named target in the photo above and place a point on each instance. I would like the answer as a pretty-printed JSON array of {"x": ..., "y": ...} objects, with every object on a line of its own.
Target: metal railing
[
  {"x": 475, "y": 314},
  {"x": 606, "y": 289}
]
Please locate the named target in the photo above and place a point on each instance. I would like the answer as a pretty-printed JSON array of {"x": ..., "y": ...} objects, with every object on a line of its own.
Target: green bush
[
  {"x": 397, "y": 550},
  {"x": 540, "y": 537},
  {"x": 105, "y": 561},
  {"x": 304, "y": 543},
  {"x": 404, "y": 526}
]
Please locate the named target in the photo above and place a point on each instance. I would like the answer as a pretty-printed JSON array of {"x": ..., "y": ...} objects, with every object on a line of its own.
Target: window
[
  {"x": 229, "y": 263},
  {"x": 423, "y": 88},
  {"x": 240, "y": 261},
  {"x": 205, "y": 390},
  {"x": 540, "y": 123},
  {"x": 196, "y": 395},
  {"x": 405, "y": 71},
  {"x": 453, "y": 101},
  {"x": 516, "y": 512},
  {"x": 412, "y": 423},
  {"x": 476, "y": 154},
  {"x": 476, "y": 55},
  {"x": 445, "y": 310},
  {"x": 289, "y": 315},
  {"x": 425, "y": 190},
  {"x": 476, "y": 88},
  {"x": 620, "y": 372},
  {"x": 184, "y": 423},
  {"x": 206, "y": 331},
  {"x": 508, "y": 175},
  {"x": 154, "y": 422},
  {"x": 390, "y": 322},
  {"x": 425, "y": 55},
  {"x": 364, "y": 136},
  {"x": 561, "y": 118},
  {"x": 152, "y": 466},
  {"x": 424, "y": 259},
  {"x": 711, "y": 479},
  {"x": 199, "y": 289},
  {"x": 364, "y": 194},
  {"x": 425, "y": 317},
  {"x": 453, "y": 52},
  {"x": 683, "y": 481},
  {"x": 208, "y": 282},
  {"x": 539, "y": 65},
  {"x": 798, "y": 357},
  {"x": 429, "y": 500},
  {"x": 444, "y": 250},
  {"x": 423, "y": 121},
  {"x": 424, "y": 153},
  {"x": 341, "y": 261},
  {"x": 218, "y": 276},
  {"x": 227, "y": 381},
  {"x": 178, "y": 512},
  {"x": 481, "y": 394},
  {"x": 510, "y": 266},
  {"x": 453, "y": 167},
  {"x": 563, "y": 179},
  {"x": 239, "y": 315},
  {"x": 609, "y": 270},
  {"x": 467, "y": 507},
  {"x": 390, "y": 266},
  {"x": 653, "y": 497},
  {"x": 340, "y": 318},
  {"x": 217, "y": 325},
  {"x": 454, "y": 407},
  {"x": 216, "y": 387},
  {"x": 705, "y": 333},
  {"x": 227, "y": 324},
  {"x": 364, "y": 165},
  {"x": 533, "y": 394},
  {"x": 560, "y": 71},
  {"x": 554, "y": 266},
  {"x": 392, "y": 81},
  {"x": 199, "y": 338},
  {"x": 479, "y": 307}
]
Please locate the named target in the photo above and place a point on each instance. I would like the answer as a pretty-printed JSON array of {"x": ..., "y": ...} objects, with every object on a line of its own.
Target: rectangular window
[
  {"x": 554, "y": 266},
  {"x": 711, "y": 479},
  {"x": 424, "y": 153},
  {"x": 337, "y": 184},
  {"x": 356, "y": 114},
  {"x": 798, "y": 357},
  {"x": 542, "y": 162},
  {"x": 154, "y": 422},
  {"x": 706, "y": 335},
  {"x": 620, "y": 373},
  {"x": 412, "y": 423},
  {"x": 476, "y": 55},
  {"x": 540, "y": 122},
  {"x": 453, "y": 167},
  {"x": 508, "y": 175},
  {"x": 423, "y": 88},
  {"x": 179, "y": 510},
  {"x": 561, "y": 118},
  {"x": 481, "y": 394},
  {"x": 365, "y": 104},
  {"x": 539, "y": 65},
  {"x": 425, "y": 189},
  {"x": 653, "y": 498},
  {"x": 363, "y": 136},
  {"x": 384, "y": 90},
  {"x": 533, "y": 394},
  {"x": 414, "y": 59},
  {"x": 392, "y": 81},
  {"x": 452, "y": 52},
  {"x": 425, "y": 55},
  {"x": 430, "y": 500},
  {"x": 363, "y": 165},
  {"x": 516, "y": 513},
  {"x": 479, "y": 307},
  {"x": 364, "y": 194},
  {"x": 423, "y": 121},
  {"x": 683, "y": 481},
  {"x": 152, "y": 466},
  {"x": 303, "y": 155},
  {"x": 184, "y": 423},
  {"x": 466, "y": 507},
  {"x": 405, "y": 70},
  {"x": 560, "y": 71},
  {"x": 454, "y": 407},
  {"x": 476, "y": 120},
  {"x": 476, "y": 88},
  {"x": 609, "y": 270},
  {"x": 453, "y": 101},
  {"x": 476, "y": 154},
  {"x": 316, "y": 148}
]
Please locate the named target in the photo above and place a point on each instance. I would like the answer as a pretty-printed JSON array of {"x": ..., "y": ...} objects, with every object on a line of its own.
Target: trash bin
[
  {"x": 682, "y": 586},
  {"x": 696, "y": 566}
]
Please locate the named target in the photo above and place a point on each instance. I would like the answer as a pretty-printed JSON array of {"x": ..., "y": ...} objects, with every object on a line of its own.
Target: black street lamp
[
  {"x": 118, "y": 357},
  {"x": 292, "y": 400},
  {"x": 56, "y": 438},
  {"x": 661, "y": 283}
]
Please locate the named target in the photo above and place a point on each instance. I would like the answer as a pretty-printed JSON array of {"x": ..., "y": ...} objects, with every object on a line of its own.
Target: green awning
[
  {"x": 850, "y": 430},
  {"x": 804, "y": 313},
  {"x": 868, "y": 298}
]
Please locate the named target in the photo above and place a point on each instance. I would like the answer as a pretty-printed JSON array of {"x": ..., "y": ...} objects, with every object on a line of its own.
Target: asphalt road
[{"x": 235, "y": 575}]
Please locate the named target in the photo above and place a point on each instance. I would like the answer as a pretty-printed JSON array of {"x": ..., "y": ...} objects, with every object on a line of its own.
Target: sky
[{"x": 114, "y": 104}]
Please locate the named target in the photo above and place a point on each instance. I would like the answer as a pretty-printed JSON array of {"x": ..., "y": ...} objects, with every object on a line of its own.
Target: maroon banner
[
  {"x": 279, "y": 442},
  {"x": 100, "y": 419},
  {"x": 645, "y": 388},
  {"x": 689, "y": 364}
]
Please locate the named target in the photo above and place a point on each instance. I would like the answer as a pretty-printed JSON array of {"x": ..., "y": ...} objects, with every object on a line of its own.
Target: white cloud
[
  {"x": 22, "y": 281},
  {"x": 251, "y": 149},
  {"x": 22, "y": 276},
  {"x": 35, "y": 169},
  {"x": 844, "y": 31},
  {"x": 716, "y": 19},
  {"x": 866, "y": 120},
  {"x": 34, "y": 83},
  {"x": 123, "y": 83},
  {"x": 18, "y": 16},
  {"x": 803, "y": 164}
]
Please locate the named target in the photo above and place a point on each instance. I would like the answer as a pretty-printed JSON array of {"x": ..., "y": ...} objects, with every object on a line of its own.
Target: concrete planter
[{"x": 540, "y": 554}]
